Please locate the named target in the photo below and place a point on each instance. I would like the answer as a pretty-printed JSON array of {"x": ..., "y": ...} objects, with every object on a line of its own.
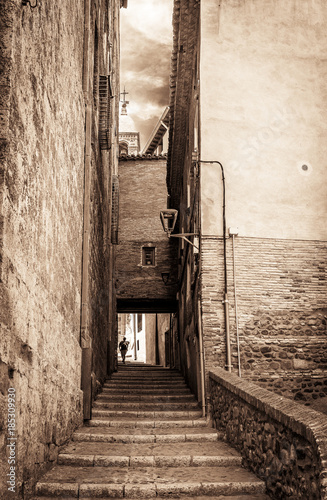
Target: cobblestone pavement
[{"x": 148, "y": 439}]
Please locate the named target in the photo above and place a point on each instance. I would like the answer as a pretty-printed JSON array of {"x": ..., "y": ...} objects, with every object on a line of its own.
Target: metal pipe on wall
[
  {"x": 203, "y": 397},
  {"x": 225, "y": 301},
  {"x": 135, "y": 336},
  {"x": 236, "y": 314}
]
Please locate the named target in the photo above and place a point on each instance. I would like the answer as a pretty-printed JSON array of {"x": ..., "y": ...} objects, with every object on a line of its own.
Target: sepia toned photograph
[{"x": 163, "y": 249}]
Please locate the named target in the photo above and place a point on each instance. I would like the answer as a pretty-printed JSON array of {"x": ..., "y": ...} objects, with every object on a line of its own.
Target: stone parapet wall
[{"x": 284, "y": 443}]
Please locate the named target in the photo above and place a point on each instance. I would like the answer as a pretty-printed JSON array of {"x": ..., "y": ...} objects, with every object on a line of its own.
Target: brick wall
[
  {"x": 282, "y": 442},
  {"x": 143, "y": 194},
  {"x": 281, "y": 301}
]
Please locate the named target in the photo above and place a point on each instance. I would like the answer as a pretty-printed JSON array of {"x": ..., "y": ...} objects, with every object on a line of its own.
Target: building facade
[
  {"x": 246, "y": 172},
  {"x": 144, "y": 254},
  {"x": 59, "y": 164}
]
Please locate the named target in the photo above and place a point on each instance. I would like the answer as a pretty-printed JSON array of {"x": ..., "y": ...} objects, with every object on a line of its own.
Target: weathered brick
[{"x": 143, "y": 194}]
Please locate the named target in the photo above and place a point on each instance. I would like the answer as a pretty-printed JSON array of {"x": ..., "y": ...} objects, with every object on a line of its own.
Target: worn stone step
[
  {"x": 123, "y": 368},
  {"x": 147, "y": 461},
  {"x": 96, "y": 412},
  {"x": 139, "y": 382},
  {"x": 146, "y": 435},
  {"x": 158, "y": 371},
  {"x": 149, "y": 455},
  {"x": 133, "y": 382},
  {"x": 146, "y": 423},
  {"x": 147, "y": 482},
  {"x": 146, "y": 376},
  {"x": 127, "y": 405},
  {"x": 148, "y": 390},
  {"x": 146, "y": 397},
  {"x": 251, "y": 496}
]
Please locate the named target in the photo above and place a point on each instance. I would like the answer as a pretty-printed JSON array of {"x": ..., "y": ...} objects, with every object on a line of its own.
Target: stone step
[
  {"x": 135, "y": 381},
  {"x": 148, "y": 482},
  {"x": 146, "y": 423},
  {"x": 126, "y": 405},
  {"x": 146, "y": 387},
  {"x": 159, "y": 371},
  {"x": 145, "y": 376},
  {"x": 185, "y": 454},
  {"x": 147, "y": 461},
  {"x": 146, "y": 390},
  {"x": 251, "y": 496},
  {"x": 146, "y": 397},
  {"x": 158, "y": 435},
  {"x": 146, "y": 414}
]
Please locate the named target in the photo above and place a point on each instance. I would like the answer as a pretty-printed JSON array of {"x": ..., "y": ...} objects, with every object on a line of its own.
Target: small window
[{"x": 148, "y": 256}]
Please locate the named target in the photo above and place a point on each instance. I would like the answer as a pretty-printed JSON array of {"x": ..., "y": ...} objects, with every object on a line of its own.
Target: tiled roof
[{"x": 141, "y": 156}]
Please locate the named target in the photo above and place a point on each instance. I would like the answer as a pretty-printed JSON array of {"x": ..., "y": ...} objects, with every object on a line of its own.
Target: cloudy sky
[{"x": 146, "y": 44}]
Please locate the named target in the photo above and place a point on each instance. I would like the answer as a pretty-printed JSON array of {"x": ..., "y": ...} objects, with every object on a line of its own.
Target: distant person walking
[{"x": 123, "y": 347}]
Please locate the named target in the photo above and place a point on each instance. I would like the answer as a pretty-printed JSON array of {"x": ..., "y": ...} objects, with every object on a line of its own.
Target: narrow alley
[{"x": 163, "y": 184}]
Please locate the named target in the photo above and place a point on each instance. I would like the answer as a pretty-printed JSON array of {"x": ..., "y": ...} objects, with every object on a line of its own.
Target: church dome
[{"x": 126, "y": 124}]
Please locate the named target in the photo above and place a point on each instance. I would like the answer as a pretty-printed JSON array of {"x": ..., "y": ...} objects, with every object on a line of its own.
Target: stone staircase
[{"x": 147, "y": 439}]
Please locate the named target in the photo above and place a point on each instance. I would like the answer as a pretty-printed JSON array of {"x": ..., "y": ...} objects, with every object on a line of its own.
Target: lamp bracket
[{"x": 183, "y": 237}]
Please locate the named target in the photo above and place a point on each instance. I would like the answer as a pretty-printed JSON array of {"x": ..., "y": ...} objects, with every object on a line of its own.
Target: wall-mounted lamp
[
  {"x": 25, "y": 2},
  {"x": 168, "y": 220}
]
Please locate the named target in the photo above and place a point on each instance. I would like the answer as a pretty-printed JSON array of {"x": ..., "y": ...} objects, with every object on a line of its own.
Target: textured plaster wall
[
  {"x": 42, "y": 154},
  {"x": 263, "y": 107}
]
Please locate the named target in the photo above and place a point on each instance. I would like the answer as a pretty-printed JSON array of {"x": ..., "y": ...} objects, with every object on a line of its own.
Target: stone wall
[
  {"x": 42, "y": 138},
  {"x": 282, "y": 442},
  {"x": 281, "y": 293}
]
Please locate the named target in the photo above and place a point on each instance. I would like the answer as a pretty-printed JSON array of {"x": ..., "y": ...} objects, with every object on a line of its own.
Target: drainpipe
[
  {"x": 233, "y": 234},
  {"x": 157, "y": 342},
  {"x": 135, "y": 336},
  {"x": 201, "y": 360},
  {"x": 225, "y": 301}
]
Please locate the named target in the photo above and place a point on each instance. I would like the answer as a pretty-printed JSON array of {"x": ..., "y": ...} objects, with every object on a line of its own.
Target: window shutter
[{"x": 105, "y": 111}]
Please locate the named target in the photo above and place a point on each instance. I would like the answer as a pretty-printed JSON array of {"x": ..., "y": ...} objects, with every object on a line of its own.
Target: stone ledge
[{"x": 309, "y": 424}]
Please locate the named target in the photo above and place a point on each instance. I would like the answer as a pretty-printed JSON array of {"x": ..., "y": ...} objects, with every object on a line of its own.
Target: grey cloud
[{"x": 145, "y": 69}]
